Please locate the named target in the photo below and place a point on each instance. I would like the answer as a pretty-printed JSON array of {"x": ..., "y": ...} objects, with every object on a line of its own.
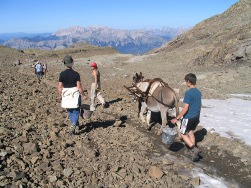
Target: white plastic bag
[{"x": 70, "y": 98}]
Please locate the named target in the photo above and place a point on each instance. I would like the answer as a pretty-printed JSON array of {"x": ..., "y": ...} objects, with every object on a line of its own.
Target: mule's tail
[
  {"x": 139, "y": 105},
  {"x": 177, "y": 108},
  {"x": 177, "y": 101}
]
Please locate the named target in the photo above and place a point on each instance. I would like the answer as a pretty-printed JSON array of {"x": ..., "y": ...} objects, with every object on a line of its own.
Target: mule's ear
[
  {"x": 137, "y": 75},
  {"x": 140, "y": 74}
]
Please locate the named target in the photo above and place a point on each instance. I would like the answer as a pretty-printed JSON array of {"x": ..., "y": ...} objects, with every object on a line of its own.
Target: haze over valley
[{"x": 125, "y": 41}]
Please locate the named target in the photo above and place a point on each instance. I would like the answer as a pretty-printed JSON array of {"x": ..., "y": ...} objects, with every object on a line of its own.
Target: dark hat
[{"x": 68, "y": 61}]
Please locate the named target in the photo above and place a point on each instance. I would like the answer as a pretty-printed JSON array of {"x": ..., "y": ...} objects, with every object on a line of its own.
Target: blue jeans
[
  {"x": 39, "y": 75},
  {"x": 74, "y": 113}
]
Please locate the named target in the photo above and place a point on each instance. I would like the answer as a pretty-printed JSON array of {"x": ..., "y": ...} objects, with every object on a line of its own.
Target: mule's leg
[
  {"x": 163, "y": 113},
  {"x": 141, "y": 113},
  {"x": 164, "y": 116},
  {"x": 148, "y": 118}
]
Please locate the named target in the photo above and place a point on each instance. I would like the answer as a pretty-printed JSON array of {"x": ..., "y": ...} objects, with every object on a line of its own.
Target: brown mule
[{"x": 154, "y": 95}]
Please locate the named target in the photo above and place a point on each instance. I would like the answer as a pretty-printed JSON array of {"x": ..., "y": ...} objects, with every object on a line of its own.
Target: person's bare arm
[
  {"x": 80, "y": 89},
  {"x": 182, "y": 113},
  {"x": 60, "y": 88}
]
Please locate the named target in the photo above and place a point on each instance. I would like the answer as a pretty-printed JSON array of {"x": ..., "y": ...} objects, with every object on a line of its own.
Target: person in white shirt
[{"x": 38, "y": 71}]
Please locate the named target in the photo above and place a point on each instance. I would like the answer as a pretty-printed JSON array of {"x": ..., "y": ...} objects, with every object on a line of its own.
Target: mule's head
[
  {"x": 133, "y": 92},
  {"x": 137, "y": 78},
  {"x": 136, "y": 97}
]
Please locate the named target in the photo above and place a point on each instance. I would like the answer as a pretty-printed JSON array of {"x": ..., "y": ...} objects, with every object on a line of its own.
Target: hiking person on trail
[
  {"x": 45, "y": 69},
  {"x": 96, "y": 87},
  {"x": 191, "y": 115},
  {"x": 70, "y": 91},
  {"x": 38, "y": 70}
]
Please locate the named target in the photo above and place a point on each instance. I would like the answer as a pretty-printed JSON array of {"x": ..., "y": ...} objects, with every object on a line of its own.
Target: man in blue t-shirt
[{"x": 191, "y": 115}]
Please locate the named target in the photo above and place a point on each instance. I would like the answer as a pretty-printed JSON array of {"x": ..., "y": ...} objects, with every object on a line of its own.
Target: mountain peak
[
  {"x": 125, "y": 41},
  {"x": 221, "y": 39}
]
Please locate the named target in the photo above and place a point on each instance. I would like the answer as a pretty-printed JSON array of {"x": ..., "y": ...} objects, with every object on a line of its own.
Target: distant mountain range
[{"x": 124, "y": 41}]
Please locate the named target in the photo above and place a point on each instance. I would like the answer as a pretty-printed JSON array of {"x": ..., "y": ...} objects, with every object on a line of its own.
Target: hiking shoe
[
  {"x": 195, "y": 154},
  {"x": 77, "y": 130}
]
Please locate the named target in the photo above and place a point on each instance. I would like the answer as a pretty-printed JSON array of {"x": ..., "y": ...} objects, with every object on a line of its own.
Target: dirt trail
[{"x": 218, "y": 158}]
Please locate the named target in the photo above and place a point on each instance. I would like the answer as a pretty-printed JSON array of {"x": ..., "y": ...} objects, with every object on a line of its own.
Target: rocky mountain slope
[
  {"x": 112, "y": 149},
  {"x": 125, "y": 41},
  {"x": 221, "y": 39},
  {"x": 10, "y": 56}
]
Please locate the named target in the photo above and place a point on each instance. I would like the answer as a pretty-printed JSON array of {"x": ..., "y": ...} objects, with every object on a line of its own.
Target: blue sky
[{"x": 38, "y": 16}]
